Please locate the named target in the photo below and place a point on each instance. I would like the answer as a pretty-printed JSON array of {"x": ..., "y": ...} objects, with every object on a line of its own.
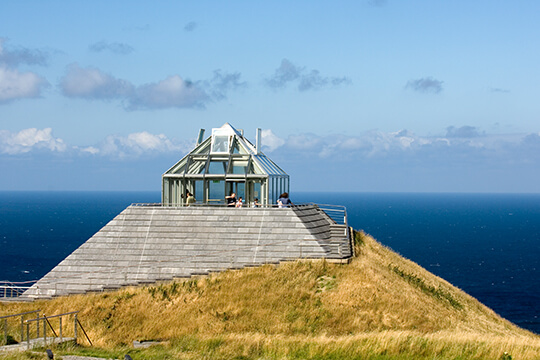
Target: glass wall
[
  {"x": 198, "y": 192},
  {"x": 224, "y": 163},
  {"x": 216, "y": 191}
]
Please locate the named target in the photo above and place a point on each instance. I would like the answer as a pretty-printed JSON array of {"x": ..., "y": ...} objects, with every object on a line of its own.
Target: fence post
[
  {"x": 44, "y": 331},
  {"x": 37, "y": 325},
  {"x": 61, "y": 329},
  {"x": 75, "y": 328},
  {"x": 5, "y": 332},
  {"x": 22, "y": 328},
  {"x": 27, "y": 336}
]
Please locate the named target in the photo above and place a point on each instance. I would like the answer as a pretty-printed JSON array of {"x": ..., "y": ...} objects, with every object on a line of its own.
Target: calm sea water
[{"x": 486, "y": 244}]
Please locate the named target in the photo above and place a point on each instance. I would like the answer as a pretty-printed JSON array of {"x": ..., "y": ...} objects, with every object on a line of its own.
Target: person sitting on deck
[
  {"x": 190, "y": 199},
  {"x": 231, "y": 200},
  {"x": 284, "y": 200},
  {"x": 239, "y": 203}
]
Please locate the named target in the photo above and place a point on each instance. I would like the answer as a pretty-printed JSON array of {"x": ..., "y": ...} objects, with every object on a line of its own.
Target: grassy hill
[{"x": 380, "y": 306}]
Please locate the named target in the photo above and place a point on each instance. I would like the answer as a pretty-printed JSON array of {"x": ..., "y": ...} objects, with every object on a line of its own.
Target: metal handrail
[
  {"x": 53, "y": 316},
  {"x": 46, "y": 322},
  {"x": 337, "y": 213},
  {"x": 6, "y": 317},
  {"x": 19, "y": 314},
  {"x": 224, "y": 204},
  {"x": 10, "y": 289},
  {"x": 200, "y": 204}
]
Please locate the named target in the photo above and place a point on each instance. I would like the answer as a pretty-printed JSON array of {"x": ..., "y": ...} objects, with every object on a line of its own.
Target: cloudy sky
[{"x": 367, "y": 95}]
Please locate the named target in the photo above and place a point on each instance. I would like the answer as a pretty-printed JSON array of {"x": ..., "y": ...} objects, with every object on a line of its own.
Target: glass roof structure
[{"x": 224, "y": 163}]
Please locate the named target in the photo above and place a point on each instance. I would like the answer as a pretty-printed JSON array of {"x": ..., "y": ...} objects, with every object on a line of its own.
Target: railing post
[
  {"x": 75, "y": 328},
  {"x": 27, "y": 336},
  {"x": 61, "y": 329},
  {"x": 5, "y": 332},
  {"x": 44, "y": 331},
  {"x": 22, "y": 328}
]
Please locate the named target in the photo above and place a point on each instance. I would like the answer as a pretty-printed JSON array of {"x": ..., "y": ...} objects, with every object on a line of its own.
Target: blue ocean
[{"x": 486, "y": 244}]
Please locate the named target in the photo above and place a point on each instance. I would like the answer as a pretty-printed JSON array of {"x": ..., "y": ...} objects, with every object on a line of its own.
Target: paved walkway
[
  {"x": 34, "y": 343},
  {"x": 76, "y": 357}
]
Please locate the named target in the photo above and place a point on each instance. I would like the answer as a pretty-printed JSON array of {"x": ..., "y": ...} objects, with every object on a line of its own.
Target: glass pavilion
[{"x": 225, "y": 162}]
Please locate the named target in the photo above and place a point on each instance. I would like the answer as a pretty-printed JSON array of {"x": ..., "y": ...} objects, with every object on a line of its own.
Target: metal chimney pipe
[
  {"x": 258, "y": 139},
  {"x": 201, "y": 136}
]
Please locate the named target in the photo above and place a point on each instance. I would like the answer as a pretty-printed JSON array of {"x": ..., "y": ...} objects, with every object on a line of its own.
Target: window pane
[
  {"x": 196, "y": 167},
  {"x": 238, "y": 167},
  {"x": 216, "y": 191},
  {"x": 199, "y": 191},
  {"x": 217, "y": 167},
  {"x": 257, "y": 190},
  {"x": 220, "y": 144}
]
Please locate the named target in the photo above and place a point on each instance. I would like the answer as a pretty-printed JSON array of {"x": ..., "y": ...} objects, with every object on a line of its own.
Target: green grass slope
[{"x": 380, "y": 306}]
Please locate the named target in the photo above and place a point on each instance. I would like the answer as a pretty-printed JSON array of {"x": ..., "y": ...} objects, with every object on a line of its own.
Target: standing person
[
  {"x": 239, "y": 203},
  {"x": 231, "y": 200},
  {"x": 256, "y": 203},
  {"x": 190, "y": 199},
  {"x": 284, "y": 200}
]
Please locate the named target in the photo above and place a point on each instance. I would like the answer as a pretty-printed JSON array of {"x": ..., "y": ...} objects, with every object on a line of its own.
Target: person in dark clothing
[{"x": 231, "y": 200}]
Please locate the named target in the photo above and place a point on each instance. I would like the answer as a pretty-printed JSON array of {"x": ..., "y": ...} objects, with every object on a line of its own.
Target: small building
[
  {"x": 224, "y": 163},
  {"x": 148, "y": 243}
]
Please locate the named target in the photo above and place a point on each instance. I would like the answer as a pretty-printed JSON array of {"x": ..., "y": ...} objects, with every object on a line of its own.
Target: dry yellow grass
[{"x": 379, "y": 304}]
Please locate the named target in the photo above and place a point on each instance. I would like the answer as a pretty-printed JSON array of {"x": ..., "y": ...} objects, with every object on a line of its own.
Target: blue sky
[{"x": 373, "y": 95}]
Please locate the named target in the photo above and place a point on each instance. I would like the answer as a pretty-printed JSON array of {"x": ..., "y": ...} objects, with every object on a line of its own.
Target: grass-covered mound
[{"x": 380, "y": 306}]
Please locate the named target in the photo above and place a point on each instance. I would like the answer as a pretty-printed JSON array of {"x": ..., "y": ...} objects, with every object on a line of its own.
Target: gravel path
[{"x": 75, "y": 357}]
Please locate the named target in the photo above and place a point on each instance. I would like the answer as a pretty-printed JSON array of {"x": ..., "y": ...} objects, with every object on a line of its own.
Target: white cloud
[
  {"x": 170, "y": 92},
  {"x": 285, "y": 73},
  {"x": 146, "y": 141},
  {"x": 370, "y": 144},
  {"x": 92, "y": 83},
  {"x": 270, "y": 141},
  {"x": 405, "y": 146},
  {"x": 131, "y": 146},
  {"x": 114, "y": 47},
  {"x": 21, "y": 55},
  {"x": 288, "y": 72},
  {"x": 370, "y": 147},
  {"x": 90, "y": 150},
  {"x": 462, "y": 132},
  {"x": 425, "y": 85},
  {"x": 303, "y": 142},
  {"x": 16, "y": 85},
  {"x": 28, "y": 140},
  {"x": 377, "y": 160},
  {"x": 139, "y": 144},
  {"x": 222, "y": 83}
]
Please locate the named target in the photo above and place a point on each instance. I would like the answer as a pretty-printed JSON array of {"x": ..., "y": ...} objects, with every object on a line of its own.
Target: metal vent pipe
[
  {"x": 258, "y": 139},
  {"x": 201, "y": 136}
]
